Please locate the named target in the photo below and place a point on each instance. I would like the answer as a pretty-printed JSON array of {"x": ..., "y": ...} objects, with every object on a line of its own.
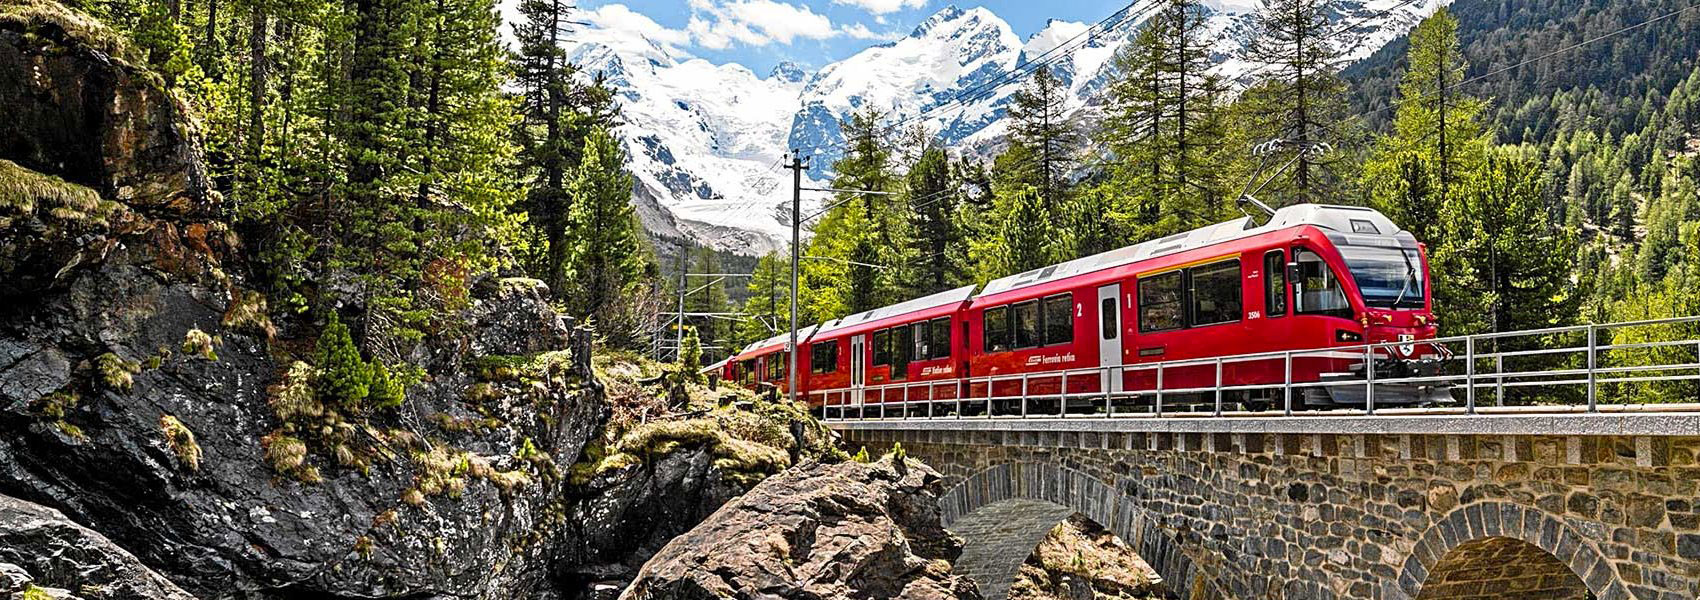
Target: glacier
[{"x": 707, "y": 141}]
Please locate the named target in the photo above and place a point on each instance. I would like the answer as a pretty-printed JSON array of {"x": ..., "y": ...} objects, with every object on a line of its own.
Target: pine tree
[
  {"x": 1300, "y": 97},
  {"x": 1505, "y": 267},
  {"x": 1027, "y": 239},
  {"x": 1165, "y": 128},
  {"x": 1438, "y": 136},
  {"x": 1042, "y": 138},
  {"x": 558, "y": 114},
  {"x": 768, "y": 305},
  {"x": 852, "y": 259},
  {"x": 933, "y": 198},
  {"x": 344, "y": 378},
  {"x": 607, "y": 253}
]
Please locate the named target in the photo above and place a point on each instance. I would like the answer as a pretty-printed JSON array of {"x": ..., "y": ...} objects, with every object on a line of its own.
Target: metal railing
[{"x": 1559, "y": 369}]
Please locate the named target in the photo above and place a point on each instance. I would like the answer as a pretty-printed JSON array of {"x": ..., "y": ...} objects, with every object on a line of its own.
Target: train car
[
  {"x": 907, "y": 352},
  {"x": 1309, "y": 286},
  {"x": 765, "y": 365},
  {"x": 1310, "y": 278}
]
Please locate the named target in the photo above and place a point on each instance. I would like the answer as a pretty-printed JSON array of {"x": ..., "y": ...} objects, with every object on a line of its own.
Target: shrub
[
  {"x": 690, "y": 357},
  {"x": 343, "y": 377},
  {"x": 387, "y": 388},
  {"x": 181, "y": 440},
  {"x": 35, "y": 593},
  {"x": 862, "y": 456}
]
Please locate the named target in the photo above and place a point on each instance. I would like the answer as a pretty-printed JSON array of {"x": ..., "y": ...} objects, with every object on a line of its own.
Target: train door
[
  {"x": 858, "y": 368},
  {"x": 1109, "y": 337}
]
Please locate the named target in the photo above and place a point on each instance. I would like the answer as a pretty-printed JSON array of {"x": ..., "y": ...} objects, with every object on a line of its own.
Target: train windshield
[{"x": 1387, "y": 277}]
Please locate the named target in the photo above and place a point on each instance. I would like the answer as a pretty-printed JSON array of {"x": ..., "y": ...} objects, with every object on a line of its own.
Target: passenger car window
[
  {"x": 823, "y": 357},
  {"x": 995, "y": 329},
  {"x": 1216, "y": 293},
  {"x": 1059, "y": 319},
  {"x": 923, "y": 343},
  {"x": 1317, "y": 290},
  {"x": 1160, "y": 303},
  {"x": 882, "y": 347},
  {"x": 1275, "y": 283},
  {"x": 1107, "y": 318},
  {"x": 1027, "y": 324},
  {"x": 940, "y": 337},
  {"x": 902, "y": 350}
]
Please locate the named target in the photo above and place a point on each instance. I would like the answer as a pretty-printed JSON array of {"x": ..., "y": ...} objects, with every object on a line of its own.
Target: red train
[{"x": 1118, "y": 330}]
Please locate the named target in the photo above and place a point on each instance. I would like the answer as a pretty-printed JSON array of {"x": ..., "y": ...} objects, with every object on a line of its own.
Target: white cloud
[
  {"x": 619, "y": 18},
  {"x": 880, "y": 7},
  {"x": 721, "y": 24},
  {"x": 718, "y": 24},
  {"x": 858, "y": 31}
]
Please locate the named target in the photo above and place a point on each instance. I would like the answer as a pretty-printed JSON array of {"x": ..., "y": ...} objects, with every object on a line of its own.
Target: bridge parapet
[{"x": 1383, "y": 507}]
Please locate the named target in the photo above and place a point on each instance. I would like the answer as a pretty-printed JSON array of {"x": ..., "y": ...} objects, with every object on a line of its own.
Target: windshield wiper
[{"x": 1410, "y": 276}]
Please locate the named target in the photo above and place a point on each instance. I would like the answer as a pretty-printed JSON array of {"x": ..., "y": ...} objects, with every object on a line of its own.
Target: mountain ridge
[{"x": 707, "y": 141}]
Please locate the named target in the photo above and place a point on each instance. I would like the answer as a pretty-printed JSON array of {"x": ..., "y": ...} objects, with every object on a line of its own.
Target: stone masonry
[
  {"x": 996, "y": 528},
  {"x": 1334, "y": 515}
]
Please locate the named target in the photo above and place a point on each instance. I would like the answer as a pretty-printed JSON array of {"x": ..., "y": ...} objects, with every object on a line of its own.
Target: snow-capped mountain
[{"x": 707, "y": 140}]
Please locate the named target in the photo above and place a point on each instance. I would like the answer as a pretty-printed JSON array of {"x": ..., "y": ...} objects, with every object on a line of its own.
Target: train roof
[
  {"x": 945, "y": 298},
  {"x": 779, "y": 340},
  {"x": 1345, "y": 219}
]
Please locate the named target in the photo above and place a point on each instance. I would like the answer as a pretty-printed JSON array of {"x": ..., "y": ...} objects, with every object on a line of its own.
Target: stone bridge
[{"x": 1564, "y": 507}]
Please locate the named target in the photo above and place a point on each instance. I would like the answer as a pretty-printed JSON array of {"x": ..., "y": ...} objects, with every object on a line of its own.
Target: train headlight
[{"x": 1343, "y": 335}]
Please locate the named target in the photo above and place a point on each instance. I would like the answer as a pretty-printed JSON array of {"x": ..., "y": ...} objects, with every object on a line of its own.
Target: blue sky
[{"x": 761, "y": 33}]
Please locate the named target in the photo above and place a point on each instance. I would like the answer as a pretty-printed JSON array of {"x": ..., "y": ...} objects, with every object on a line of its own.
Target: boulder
[
  {"x": 40, "y": 547},
  {"x": 846, "y": 530}
]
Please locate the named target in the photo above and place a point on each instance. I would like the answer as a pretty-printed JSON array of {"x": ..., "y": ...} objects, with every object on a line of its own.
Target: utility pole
[
  {"x": 679, "y": 342},
  {"x": 797, "y": 166}
]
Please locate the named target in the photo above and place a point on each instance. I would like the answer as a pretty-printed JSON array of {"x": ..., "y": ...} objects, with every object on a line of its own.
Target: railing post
[
  {"x": 1218, "y": 386},
  {"x": 1593, "y": 386},
  {"x": 1287, "y": 386},
  {"x": 1369, "y": 379},
  {"x": 1499, "y": 379},
  {"x": 930, "y": 401},
  {"x": 1023, "y": 398},
  {"x": 1062, "y": 398},
  {"x": 1159, "y": 405},
  {"x": 1470, "y": 375},
  {"x": 1109, "y": 401},
  {"x": 960, "y": 396}
]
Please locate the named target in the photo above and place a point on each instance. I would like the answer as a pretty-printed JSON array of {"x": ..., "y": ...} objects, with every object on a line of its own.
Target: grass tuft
[
  {"x": 117, "y": 373},
  {"x": 201, "y": 343},
  {"x": 24, "y": 193},
  {"x": 182, "y": 441},
  {"x": 248, "y": 312}
]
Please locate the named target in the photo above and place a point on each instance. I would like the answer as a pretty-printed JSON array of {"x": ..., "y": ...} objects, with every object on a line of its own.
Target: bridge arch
[
  {"x": 1005, "y": 511},
  {"x": 1523, "y": 548}
]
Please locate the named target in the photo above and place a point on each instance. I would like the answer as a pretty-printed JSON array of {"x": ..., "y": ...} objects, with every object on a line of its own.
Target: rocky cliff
[{"x": 146, "y": 395}]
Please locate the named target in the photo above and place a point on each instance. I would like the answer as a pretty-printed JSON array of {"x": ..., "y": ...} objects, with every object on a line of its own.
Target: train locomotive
[{"x": 1244, "y": 306}]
